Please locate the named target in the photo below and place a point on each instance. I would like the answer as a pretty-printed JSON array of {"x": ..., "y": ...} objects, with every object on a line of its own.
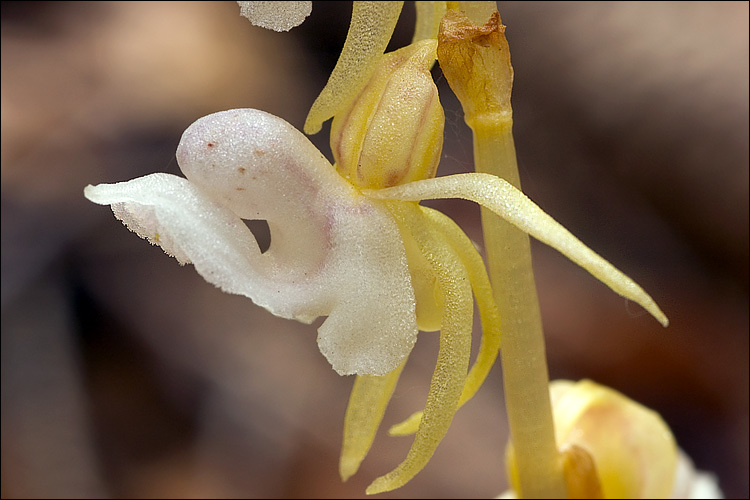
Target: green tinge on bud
[{"x": 392, "y": 132}]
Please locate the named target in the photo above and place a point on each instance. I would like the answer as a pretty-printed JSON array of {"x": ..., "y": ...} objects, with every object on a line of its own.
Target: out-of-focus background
[{"x": 126, "y": 375}]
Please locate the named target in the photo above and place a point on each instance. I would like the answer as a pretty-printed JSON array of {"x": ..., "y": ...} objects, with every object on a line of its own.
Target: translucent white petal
[
  {"x": 690, "y": 482},
  {"x": 277, "y": 16},
  {"x": 181, "y": 218},
  {"x": 333, "y": 252}
]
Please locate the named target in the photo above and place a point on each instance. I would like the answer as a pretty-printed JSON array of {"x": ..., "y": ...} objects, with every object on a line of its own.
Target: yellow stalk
[
  {"x": 476, "y": 64},
  {"x": 523, "y": 355}
]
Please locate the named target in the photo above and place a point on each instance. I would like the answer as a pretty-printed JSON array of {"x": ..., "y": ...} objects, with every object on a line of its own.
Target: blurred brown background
[{"x": 125, "y": 375}]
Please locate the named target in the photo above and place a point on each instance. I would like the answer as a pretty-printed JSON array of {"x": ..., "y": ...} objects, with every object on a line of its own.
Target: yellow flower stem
[
  {"x": 476, "y": 63},
  {"x": 523, "y": 354}
]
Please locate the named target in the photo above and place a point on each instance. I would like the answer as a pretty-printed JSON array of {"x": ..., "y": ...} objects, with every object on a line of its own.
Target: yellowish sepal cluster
[
  {"x": 480, "y": 285},
  {"x": 458, "y": 270}
]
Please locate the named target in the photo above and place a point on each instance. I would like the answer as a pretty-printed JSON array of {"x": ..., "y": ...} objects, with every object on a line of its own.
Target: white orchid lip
[{"x": 333, "y": 251}]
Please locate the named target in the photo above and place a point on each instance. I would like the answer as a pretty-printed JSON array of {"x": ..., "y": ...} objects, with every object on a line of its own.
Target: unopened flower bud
[
  {"x": 392, "y": 132},
  {"x": 612, "y": 447}
]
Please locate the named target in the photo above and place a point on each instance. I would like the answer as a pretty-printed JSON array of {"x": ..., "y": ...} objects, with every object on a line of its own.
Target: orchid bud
[
  {"x": 392, "y": 132},
  {"x": 611, "y": 446}
]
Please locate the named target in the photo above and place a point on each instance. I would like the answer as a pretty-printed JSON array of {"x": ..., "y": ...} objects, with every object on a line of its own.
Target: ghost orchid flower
[
  {"x": 350, "y": 242},
  {"x": 388, "y": 142}
]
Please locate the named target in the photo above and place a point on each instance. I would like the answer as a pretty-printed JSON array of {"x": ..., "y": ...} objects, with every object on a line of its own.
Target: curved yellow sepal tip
[
  {"x": 455, "y": 347},
  {"x": 407, "y": 427},
  {"x": 380, "y": 485},
  {"x": 489, "y": 315},
  {"x": 511, "y": 204},
  {"x": 367, "y": 404},
  {"x": 369, "y": 33}
]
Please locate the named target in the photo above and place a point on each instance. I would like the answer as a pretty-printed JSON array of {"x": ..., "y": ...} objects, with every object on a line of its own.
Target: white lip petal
[
  {"x": 178, "y": 216},
  {"x": 373, "y": 326},
  {"x": 333, "y": 252}
]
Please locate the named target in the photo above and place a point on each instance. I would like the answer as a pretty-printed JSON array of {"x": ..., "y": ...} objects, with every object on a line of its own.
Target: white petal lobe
[{"x": 333, "y": 251}]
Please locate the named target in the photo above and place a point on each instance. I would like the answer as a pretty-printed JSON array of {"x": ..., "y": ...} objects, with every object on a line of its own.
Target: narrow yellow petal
[
  {"x": 455, "y": 348},
  {"x": 367, "y": 404},
  {"x": 429, "y": 15},
  {"x": 488, "y": 313},
  {"x": 408, "y": 426},
  {"x": 369, "y": 33},
  {"x": 480, "y": 284},
  {"x": 511, "y": 204},
  {"x": 429, "y": 307}
]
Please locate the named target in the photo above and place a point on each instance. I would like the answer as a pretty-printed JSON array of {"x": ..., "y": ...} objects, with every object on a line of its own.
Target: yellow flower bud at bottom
[{"x": 611, "y": 446}]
